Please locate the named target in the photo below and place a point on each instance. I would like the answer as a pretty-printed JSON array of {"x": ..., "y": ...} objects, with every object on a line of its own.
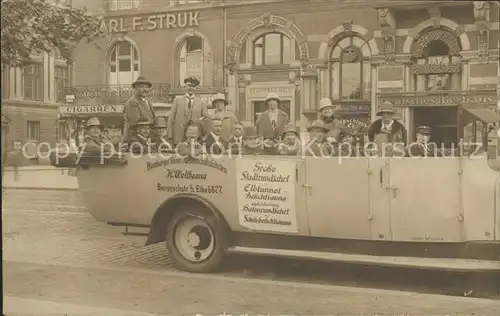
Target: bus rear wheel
[{"x": 196, "y": 241}]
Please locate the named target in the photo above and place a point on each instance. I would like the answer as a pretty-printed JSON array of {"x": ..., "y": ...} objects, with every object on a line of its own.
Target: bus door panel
[
  {"x": 425, "y": 199},
  {"x": 480, "y": 189},
  {"x": 380, "y": 221},
  {"x": 337, "y": 196}
]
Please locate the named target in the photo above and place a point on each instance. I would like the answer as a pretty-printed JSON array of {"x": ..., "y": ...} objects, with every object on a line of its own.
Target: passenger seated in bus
[
  {"x": 191, "y": 146},
  {"x": 141, "y": 142},
  {"x": 94, "y": 142},
  {"x": 252, "y": 142},
  {"x": 422, "y": 147},
  {"x": 317, "y": 145},
  {"x": 214, "y": 145},
  {"x": 290, "y": 144},
  {"x": 347, "y": 143},
  {"x": 159, "y": 134},
  {"x": 326, "y": 114},
  {"x": 235, "y": 142}
]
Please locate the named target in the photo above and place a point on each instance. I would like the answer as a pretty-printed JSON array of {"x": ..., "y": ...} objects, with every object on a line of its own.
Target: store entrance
[{"x": 442, "y": 120}]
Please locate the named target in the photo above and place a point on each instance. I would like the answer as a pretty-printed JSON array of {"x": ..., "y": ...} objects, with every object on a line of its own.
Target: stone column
[
  {"x": 456, "y": 78},
  {"x": 308, "y": 99}
]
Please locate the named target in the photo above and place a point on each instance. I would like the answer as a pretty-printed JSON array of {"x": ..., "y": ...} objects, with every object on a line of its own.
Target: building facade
[{"x": 432, "y": 59}]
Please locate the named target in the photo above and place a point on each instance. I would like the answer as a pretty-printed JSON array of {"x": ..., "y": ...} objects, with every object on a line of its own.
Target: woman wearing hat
[
  {"x": 226, "y": 116},
  {"x": 347, "y": 143},
  {"x": 290, "y": 144},
  {"x": 318, "y": 146},
  {"x": 138, "y": 106},
  {"x": 387, "y": 131},
  {"x": 271, "y": 124},
  {"x": 326, "y": 114},
  {"x": 186, "y": 109}
]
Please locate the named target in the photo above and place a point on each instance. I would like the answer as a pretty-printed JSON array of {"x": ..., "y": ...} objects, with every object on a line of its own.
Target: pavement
[
  {"x": 59, "y": 260},
  {"x": 39, "y": 178}
]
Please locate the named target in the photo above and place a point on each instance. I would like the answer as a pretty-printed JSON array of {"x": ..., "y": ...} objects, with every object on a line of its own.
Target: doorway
[
  {"x": 260, "y": 106},
  {"x": 442, "y": 120}
]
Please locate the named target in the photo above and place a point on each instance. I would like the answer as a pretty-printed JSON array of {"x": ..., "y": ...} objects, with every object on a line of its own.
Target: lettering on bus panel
[
  {"x": 91, "y": 109},
  {"x": 266, "y": 195},
  {"x": 207, "y": 161}
]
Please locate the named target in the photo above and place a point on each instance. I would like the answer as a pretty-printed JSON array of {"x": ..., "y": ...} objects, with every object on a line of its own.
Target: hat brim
[
  {"x": 294, "y": 132},
  {"x": 385, "y": 111},
  {"x": 270, "y": 99},
  {"x": 93, "y": 125},
  {"x": 310, "y": 128},
  {"x": 326, "y": 106},
  {"x": 159, "y": 126},
  {"x": 215, "y": 100},
  {"x": 135, "y": 84},
  {"x": 192, "y": 82}
]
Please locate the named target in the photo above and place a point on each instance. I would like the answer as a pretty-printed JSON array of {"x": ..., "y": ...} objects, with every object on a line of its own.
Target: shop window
[
  {"x": 115, "y": 5},
  {"x": 33, "y": 130},
  {"x": 350, "y": 70},
  {"x": 272, "y": 49},
  {"x": 124, "y": 64},
  {"x": 32, "y": 82},
  {"x": 195, "y": 60},
  {"x": 437, "y": 53}
]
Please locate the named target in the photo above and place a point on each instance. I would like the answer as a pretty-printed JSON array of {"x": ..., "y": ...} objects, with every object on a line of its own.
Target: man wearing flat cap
[
  {"x": 138, "y": 106},
  {"x": 271, "y": 124},
  {"x": 423, "y": 147},
  {"x": 386, "y": 133},
  {"x": 186, "y": 109}
]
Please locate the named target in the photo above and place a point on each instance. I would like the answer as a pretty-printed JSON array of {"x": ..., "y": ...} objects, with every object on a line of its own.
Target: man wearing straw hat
[
  {"x": 138, "y": 106},
  {"x": 271, "y": 124},
  {"x": 387, "y": 131},
  {"x": 186, "y": 109}
]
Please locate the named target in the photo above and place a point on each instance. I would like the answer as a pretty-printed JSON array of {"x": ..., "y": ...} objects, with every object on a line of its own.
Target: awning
[{"x": 485, "y": 114}]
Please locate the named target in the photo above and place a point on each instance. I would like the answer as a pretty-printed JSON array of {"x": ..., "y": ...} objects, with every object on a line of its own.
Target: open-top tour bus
[{"x": 431, "y": 213}]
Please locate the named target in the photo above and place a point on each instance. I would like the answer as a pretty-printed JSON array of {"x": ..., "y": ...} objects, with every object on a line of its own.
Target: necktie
[
  {"x": 274, "y": 124},
  {"x": 190, "y": 102}
]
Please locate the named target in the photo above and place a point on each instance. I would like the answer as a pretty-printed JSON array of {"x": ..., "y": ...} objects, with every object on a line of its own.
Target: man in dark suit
[
  {"x": 235, "y": 142},
  {"x": 213, "y": 143},
  {"x": 186, "y": 109},
  {"x": 138, "y": 106},
  {"x": 422, "y": 147},
  {"x": 271, "y": 124}
]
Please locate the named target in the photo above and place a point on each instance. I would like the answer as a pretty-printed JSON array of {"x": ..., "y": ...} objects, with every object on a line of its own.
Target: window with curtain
[
  {"x": 32, "y": 82},
  {"x": 115, "y": 5},
  {"x": 350, "y": 70},
  {"x": 195, "y": 60},
  {"x": 272, "y": 49},
  {"x": 124, "y": 64}
]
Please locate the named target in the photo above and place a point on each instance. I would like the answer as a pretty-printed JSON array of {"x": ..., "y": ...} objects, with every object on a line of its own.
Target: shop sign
[
  {"x": 151, "y": 22},
  {"x": 266, "y": 195},
  {"x": 261, "y": 92},
  {"x": 436, "y": 100},
  {"x": 91, "y": 109}
]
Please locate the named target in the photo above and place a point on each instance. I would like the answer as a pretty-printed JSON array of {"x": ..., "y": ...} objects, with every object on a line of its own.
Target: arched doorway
[{"x": 436, "y": 75}]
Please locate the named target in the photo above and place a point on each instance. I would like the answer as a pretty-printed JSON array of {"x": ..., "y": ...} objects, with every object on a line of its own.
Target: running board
[{"x": 448, "y": 264}]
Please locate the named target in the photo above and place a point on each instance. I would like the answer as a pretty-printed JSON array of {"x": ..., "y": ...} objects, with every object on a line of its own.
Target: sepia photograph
[{"x": 250, "y": 157}]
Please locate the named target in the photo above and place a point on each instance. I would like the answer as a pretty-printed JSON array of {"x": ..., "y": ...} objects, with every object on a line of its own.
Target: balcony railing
[{"x": 116, "y": 94}]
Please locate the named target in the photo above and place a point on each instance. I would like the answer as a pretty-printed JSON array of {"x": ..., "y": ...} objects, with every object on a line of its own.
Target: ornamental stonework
[
  {"x": 436, "y": 35},
  {"x": 428, "y": 69}
]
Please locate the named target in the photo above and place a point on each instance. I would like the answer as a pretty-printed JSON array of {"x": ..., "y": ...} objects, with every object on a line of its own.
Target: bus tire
[{"x": 196, "y": 241}]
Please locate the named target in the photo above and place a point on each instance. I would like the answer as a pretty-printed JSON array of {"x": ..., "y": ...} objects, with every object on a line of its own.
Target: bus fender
[{"x": 165, "y": 211}]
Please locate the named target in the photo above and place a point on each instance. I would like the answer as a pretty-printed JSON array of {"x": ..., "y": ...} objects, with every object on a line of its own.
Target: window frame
[
  {"x": 29, "y": 129},
  {"x": 134, "y": 59},
  {"x": 119, "y": 5},
  {"x": 37, "y": 81},
  {"x": 337, "y": 62},
  {"x": 263, "y": 53}
]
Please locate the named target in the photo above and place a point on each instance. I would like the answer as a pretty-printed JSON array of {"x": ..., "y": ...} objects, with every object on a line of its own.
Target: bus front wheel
[{"x": 196, "y": 241}]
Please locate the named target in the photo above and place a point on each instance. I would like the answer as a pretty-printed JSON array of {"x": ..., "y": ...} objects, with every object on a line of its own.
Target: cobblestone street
[{"x": 55, "y": 252}]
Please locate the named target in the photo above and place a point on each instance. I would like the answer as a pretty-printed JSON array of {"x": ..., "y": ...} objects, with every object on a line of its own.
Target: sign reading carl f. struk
[{"x": 266, "y": 195}]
